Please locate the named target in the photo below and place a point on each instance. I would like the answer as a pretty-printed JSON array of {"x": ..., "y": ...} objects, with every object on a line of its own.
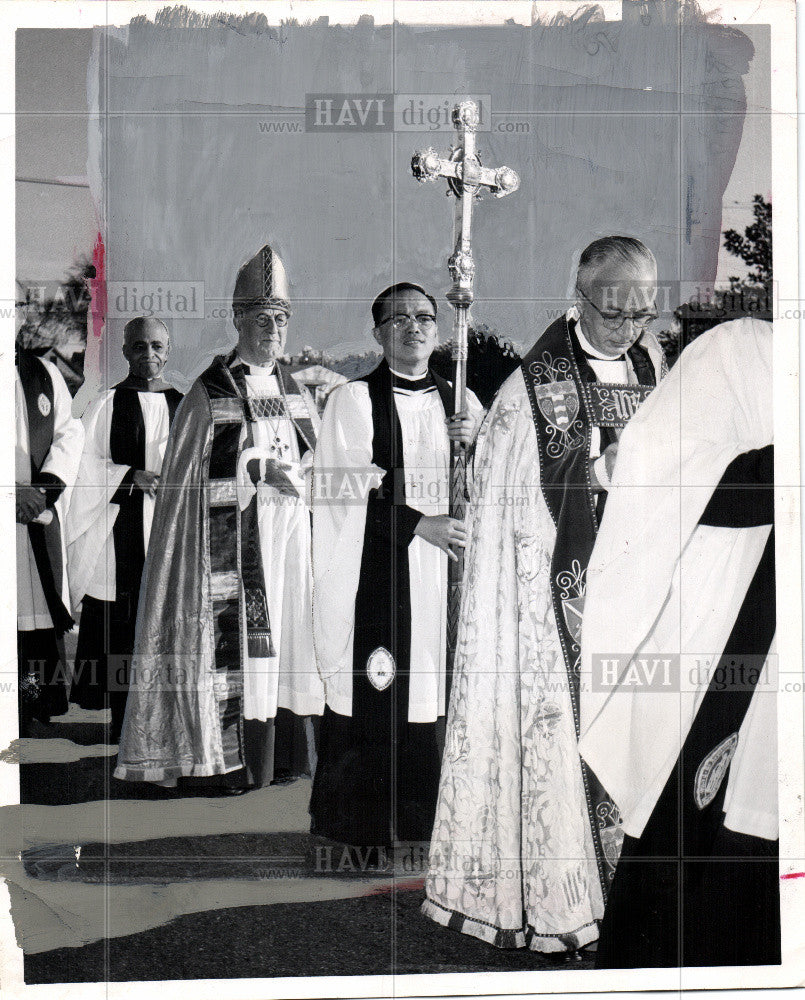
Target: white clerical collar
[
  {"x": 586, "y": 346},
  {"x": 267, "y": 369},
  {"x": 409, "y": 378}
]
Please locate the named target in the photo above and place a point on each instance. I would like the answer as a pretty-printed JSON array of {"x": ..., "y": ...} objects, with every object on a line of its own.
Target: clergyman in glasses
[
  {"x": 224, "y": 673},
  {"x": 525, "y": 842},
  {"x": 382, "y": 537}
]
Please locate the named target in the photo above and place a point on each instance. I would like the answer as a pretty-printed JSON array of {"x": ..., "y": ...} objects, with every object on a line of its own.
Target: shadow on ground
[{"x": 382, "y": 934}]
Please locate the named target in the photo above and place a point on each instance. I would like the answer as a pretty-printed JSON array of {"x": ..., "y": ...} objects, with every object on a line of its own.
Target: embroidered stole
[
  {"x": 238, "y": 586},
  {"x": 566, "y": 403},
  {"x": 744, "y": 498}
]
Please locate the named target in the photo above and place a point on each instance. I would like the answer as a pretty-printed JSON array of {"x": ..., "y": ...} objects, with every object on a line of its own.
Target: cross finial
[{"x": 466, "y": 178}]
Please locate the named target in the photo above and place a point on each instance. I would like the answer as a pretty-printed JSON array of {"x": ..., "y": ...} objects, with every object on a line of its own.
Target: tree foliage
[
  {"x": 56, "y": 318},
  {"x": 491, "y": 358},
  {"x": 749, "y": 296},
  {"x": 754, "y": 246}
]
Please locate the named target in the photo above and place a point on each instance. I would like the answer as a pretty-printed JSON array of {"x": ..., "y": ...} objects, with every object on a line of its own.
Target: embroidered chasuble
[{"x": 525, "y": 842}]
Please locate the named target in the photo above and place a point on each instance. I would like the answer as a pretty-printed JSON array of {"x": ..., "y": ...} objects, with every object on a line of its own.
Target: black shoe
[
  {"x": 283, "y": 777},
  {"x": 216, "y": 791}
]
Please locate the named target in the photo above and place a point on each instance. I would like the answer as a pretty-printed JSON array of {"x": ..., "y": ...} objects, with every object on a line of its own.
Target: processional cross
[{"x": 466, "y": 179}]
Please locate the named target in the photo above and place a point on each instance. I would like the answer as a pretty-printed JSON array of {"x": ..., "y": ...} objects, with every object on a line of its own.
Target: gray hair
[{"x": 624, "y": 249}]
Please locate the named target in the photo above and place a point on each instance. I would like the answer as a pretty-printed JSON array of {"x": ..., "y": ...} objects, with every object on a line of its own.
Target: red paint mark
[
  {"x": 794, "y": 875},
  {"x": 98, "y": 287},
  {"x": 411, "y": 885}
]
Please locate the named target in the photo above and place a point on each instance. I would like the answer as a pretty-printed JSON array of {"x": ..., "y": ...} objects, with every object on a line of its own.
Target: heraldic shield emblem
[
  {"x": 572, "y": 585},
  {"x": 573, "y": 608},
  {"x": 558, "y": 402}
]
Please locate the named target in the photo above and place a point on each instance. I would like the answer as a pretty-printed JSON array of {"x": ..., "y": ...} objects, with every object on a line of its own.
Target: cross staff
[{"x": 466, "y": 179}]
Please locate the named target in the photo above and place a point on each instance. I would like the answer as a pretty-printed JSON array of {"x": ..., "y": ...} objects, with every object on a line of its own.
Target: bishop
[{"x": 224, "y": 682}]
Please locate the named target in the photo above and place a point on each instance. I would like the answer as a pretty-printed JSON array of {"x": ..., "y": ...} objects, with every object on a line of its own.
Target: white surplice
[
  {"x": 345, "y": 447},
  {"x": 88, "y": 531},
  {"x": 661, "y": 584},
  {"x": 289, "y": 679},
  {"x": 62, "y": 460}
]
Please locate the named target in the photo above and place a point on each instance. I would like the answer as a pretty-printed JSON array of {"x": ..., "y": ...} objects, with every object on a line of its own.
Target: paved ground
[
  {"x": 374, "y": 935},
  {"x": 116, "y": 888}
]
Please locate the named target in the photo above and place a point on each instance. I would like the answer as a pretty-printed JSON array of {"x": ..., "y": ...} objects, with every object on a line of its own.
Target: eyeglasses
[
  {"x": 614, "y": 320},
  {"x": 265, "y": 316},
  {"x": 401, "y": 320}
]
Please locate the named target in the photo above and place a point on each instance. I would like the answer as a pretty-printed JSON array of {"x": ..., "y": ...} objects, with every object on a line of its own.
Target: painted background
[{"x": 629, "y": 126}]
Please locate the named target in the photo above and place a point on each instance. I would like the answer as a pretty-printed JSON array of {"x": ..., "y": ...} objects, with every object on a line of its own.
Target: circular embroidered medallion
[
  {"x": 380, "y": 668},
  {"x": 44, "y": 404}
]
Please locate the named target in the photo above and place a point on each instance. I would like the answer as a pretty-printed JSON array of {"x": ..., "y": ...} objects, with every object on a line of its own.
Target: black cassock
[
  {"x": 106, "y": 629},
  {"x": 377, "y": 775}
]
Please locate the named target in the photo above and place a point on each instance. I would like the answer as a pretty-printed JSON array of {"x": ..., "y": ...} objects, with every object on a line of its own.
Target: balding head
[
  {"x": 146, "y": 344},
  {"x": 142, "y": 325}
]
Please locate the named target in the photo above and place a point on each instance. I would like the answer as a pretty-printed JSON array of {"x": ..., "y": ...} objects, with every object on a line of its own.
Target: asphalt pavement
[{"x": 122, "y": 883}]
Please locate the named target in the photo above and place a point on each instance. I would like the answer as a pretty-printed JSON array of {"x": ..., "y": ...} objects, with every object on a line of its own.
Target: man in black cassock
[
  {"x": 126, "y": 432},
  {"x": 381, "y": 540}
]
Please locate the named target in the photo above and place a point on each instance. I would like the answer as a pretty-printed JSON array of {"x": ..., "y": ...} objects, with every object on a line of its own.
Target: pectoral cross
[
  {"x": 466, "y": 179},
  {"x": 278, "y": 446}
]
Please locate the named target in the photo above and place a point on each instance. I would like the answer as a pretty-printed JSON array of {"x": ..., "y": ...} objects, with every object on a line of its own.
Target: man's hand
[
  {"x": 443, "y": 531},
  {"x": 278, "y": 475},
  {"x": 461, "y": 427},
  {"x": 609, "y": 456},
  {"x": 31, "y": 502},
  {"x": 146, "y": 481}
]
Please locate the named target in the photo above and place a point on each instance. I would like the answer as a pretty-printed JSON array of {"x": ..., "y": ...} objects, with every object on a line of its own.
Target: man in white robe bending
[
  {"x": 224, "y": 673},
  {"x": 109, "y": 521},
  {"x": 679, "y": 712},
  {"x": 381, "y": 540},
  {"x": 524, "y": 845}
]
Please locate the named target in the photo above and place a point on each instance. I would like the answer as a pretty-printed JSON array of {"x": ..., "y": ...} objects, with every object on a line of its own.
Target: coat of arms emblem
[
  {"x": 556, "y": 396},
  {"x": 572, "y": 586},
  {"x": 558, "y": 402}
]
